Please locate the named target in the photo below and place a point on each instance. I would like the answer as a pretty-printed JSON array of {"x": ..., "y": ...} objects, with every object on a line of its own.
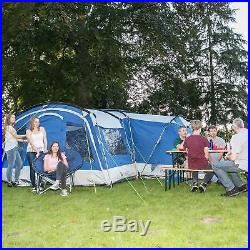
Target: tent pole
[
  {"x": 125, "y": 176},
  {"x": 91, "y": 166}
]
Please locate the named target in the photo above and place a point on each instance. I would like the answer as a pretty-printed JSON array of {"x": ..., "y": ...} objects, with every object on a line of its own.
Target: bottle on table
[{"x": 211, "y": 144}]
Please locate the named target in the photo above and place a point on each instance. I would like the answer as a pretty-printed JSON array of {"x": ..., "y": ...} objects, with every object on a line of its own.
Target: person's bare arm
[
  {"x": 231, "y": 156},
  {"x": 207, "y": 155},
  {"x": 16, "y": 136},
  {"x": 65, "y": 162},
  {"x": 180, "y": 146}
]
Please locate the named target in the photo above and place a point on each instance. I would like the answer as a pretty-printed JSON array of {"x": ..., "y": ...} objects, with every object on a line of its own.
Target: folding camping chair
[{"x": 75, "y": 162}]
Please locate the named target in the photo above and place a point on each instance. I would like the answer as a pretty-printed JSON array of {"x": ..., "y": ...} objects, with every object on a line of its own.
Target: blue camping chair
[{"x": 75, "y": 162}]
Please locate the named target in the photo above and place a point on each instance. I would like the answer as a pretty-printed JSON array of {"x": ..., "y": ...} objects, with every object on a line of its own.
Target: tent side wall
[{"x": 113, "y": 146}]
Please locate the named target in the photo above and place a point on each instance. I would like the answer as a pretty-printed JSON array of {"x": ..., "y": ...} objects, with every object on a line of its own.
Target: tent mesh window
[
  {"x": 76, "y": 139},
  {"x": 115, "y": 141}
]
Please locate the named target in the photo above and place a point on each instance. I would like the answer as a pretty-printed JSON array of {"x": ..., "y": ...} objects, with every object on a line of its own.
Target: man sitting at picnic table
[
  {"x": 198, "y": 156},
  {"x": 236, "y": 160},
  {"x": 218, "y": 142},
  {"x": 180, "y": 158}
]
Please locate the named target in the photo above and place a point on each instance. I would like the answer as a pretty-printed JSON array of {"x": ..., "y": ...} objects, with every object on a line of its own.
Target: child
[{"x": 198, "y": 156}]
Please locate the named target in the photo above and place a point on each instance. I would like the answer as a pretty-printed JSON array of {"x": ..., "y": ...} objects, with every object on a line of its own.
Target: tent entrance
[{"x": 55, "y": 129}]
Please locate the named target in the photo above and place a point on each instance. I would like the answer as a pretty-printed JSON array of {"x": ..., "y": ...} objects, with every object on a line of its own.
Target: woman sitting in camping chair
[{"x": 56, "y": 161}]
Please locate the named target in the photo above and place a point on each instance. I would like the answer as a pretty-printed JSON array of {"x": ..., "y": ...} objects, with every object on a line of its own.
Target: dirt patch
[
  {"x": 13, "y": 234},
  {"x": 211, "y": 220}
]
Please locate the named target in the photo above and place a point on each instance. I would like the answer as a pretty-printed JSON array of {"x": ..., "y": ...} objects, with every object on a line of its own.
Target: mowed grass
[{"x": 49, "y": 220}]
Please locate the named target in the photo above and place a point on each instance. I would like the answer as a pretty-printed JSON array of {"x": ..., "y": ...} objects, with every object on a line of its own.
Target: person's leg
[
  {"x": 222, "y": 170},
  {"x": 61, "y": 173},
  {"x": 31, "y": 157},
  {"x": 194, "y": 186},
  {"x": 19, "y": 166},
  {"x": 195, "y": 176},
  {"x": 208, "y": 177},
  {"x": 236, "y": 180},
  {"x": 11, "y": 158}
]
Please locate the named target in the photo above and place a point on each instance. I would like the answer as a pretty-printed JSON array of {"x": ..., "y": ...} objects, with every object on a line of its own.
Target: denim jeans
[
  {"x": 14, "y": 160},
  {"x": 223, "y": 170},
  {"x": 61, "y": 174},
  {"x": 31, "y": 157}
]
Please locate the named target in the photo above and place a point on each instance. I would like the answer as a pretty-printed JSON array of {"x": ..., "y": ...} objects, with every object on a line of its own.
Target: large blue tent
[{"x": 114, "y": 144}]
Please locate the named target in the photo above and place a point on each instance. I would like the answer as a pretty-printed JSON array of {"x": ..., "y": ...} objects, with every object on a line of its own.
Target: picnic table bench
[
  {"x": 173, "y": 173},
  {"x": 177, "y": 171}
]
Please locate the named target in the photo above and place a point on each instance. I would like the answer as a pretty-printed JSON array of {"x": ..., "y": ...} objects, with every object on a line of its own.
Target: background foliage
[{"x": 162, "y": 58}]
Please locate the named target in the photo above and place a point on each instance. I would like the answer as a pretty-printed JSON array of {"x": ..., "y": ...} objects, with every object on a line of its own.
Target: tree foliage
[{"x": 185, "y": 57}]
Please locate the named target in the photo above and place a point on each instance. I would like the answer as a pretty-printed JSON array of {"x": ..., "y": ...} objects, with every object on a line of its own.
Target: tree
[
  {"x": 204, "y": 70},
  {"x": 182, "y": 57}
]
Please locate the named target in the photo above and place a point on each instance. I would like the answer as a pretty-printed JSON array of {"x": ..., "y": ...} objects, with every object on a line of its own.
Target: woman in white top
[
  {"x": 37, "y": 143},
  {"x": 11, "y": 149}
]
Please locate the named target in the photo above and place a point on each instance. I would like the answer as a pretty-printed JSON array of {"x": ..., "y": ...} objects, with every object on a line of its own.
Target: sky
[{"x": 241, "y": 25}]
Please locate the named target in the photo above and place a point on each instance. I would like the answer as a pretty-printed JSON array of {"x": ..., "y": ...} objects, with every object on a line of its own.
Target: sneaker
[
  {"x": 55, "y": 186},
  {"x": 194, "y": 187},
  {"x": 9, "y": 184},
  {"x": 243, "y": 188},
  {"x": 203, "y": 187},
  {"x": 235, "y": 191},
  {"x": 33, "y": 189},
  {"x": 15, "y": 184},
  {"x": 64, "y": 192}
]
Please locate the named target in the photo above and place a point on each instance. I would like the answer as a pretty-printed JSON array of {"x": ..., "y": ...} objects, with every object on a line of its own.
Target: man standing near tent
[{"x": 236, "y": 159}]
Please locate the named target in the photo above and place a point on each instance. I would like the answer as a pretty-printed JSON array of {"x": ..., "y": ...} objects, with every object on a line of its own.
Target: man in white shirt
[{"x": 236, "y": 160}]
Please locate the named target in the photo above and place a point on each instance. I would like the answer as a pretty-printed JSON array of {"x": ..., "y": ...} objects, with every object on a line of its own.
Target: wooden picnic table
[{"x": 179, "y": 171}]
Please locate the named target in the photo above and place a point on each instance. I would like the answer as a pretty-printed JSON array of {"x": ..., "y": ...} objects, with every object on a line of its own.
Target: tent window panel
[
  {"x": 76, "y": 139},
  {"x": 114, "y": 141}
]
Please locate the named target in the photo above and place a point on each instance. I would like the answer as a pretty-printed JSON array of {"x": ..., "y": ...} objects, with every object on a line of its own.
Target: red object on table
[{"x": 218, "y": 147}]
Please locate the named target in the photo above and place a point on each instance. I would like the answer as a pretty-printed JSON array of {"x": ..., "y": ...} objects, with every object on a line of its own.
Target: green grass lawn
[{"x": 178, "y": 217}]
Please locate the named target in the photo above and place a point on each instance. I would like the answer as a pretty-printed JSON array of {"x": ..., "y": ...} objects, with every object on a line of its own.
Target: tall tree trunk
[{"x": 211, "y": 70}]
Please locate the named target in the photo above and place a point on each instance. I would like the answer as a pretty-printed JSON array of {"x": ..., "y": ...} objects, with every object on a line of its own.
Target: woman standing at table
[
  {"x": 11, "y": 140},
  {"x": 37, "y": 143}
]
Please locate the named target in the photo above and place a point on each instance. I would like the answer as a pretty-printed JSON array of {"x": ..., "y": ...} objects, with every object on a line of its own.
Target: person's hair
[
  {"x": 32, "y": 120},
  {"x": 212, "y": 127},
  {"x": 196, "y": 124},
  {"x": 59, "y": 153},
  {"x": 238, "y": 122},
  {"x": 6, "y": 123},
  {"x": 181, "y": 128}
]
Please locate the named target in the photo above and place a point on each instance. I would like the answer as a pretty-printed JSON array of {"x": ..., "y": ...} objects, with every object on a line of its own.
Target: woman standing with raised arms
[{"x": 37, "y": 143}]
